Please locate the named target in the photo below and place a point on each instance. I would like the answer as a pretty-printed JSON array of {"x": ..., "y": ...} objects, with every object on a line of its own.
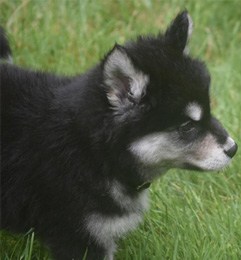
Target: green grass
[{"x": 193, "y": 215}]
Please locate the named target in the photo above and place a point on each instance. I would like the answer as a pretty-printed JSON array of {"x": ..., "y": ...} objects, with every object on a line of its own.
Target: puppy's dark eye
[
  {"x": 145, "y": 107},
  {"x": 143, "y": 94},
  {"x": 188, "y": 131},
  {"x": 131, "y": 97},
  {"x": 187, "y": 127}
]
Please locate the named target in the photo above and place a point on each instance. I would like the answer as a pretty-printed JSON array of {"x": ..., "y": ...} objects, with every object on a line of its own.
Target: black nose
[{"x": 232, "y": 151}]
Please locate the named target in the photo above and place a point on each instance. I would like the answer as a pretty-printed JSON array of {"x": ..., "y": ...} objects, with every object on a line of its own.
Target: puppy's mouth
[{"x": 192, "y": 167}]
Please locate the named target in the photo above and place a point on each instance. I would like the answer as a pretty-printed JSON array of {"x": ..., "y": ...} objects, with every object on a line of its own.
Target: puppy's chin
[
  {"x": 191, "y": 167},
  {"x": 151, "y": 172},
  {"x": 208, "y": 168}
]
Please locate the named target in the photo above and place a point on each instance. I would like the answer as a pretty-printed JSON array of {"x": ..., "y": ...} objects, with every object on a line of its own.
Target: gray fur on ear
[
  {"x": 179, "y": 32},
  {"x": 125, "y": 84}
]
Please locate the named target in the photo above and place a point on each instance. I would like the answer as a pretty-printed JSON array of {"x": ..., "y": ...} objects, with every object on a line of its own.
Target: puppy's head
[{"x": 161, "y": 96}]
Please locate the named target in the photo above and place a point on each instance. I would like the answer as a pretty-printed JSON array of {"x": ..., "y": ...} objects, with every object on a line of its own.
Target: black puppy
[{"x": 78, "y": 154}]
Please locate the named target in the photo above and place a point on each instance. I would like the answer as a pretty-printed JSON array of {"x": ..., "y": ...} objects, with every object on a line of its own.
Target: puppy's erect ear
[
  {"x": 179, "y": 32},
  {"x": 125, "y": 85}
]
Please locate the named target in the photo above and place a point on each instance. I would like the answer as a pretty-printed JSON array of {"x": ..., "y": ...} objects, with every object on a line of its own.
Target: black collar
[
  {"x": 143, "y": 186},
  {"x": 136, "y": 185}
]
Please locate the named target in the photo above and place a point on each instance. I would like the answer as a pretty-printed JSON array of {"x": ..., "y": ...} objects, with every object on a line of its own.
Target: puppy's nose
[{"x": 232, "y": 151}]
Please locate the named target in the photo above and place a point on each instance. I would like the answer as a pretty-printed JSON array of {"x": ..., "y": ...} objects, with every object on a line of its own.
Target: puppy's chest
[{"x": 106, "y": 228}]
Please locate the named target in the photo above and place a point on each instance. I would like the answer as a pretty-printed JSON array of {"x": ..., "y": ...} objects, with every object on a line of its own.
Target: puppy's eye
[
  {"x": 131, "y": 97},
  {"x": 145, "y": 107},
  {"x": 143, "y": 94},
  {"x": 187, "y": 127}
]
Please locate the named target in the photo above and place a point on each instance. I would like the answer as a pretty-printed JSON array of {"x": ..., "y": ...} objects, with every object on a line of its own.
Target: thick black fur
[{"x": 61, "y": 143}]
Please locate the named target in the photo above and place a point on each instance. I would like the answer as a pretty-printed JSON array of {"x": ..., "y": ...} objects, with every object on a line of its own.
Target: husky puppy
[{"x": 79, "y": 153}]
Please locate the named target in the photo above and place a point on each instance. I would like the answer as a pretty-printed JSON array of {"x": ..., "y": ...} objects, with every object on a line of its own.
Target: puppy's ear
[
  {"x": 179, "y": 32},
  {"x": 125, "y": 85}
]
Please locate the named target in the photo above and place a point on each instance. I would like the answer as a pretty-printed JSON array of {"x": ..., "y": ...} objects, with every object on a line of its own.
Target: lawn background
[{"x": 193, "y": 215}]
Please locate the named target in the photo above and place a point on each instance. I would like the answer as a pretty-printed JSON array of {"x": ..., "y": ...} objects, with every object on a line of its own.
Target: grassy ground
[{"x": 193, "y": 215}]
